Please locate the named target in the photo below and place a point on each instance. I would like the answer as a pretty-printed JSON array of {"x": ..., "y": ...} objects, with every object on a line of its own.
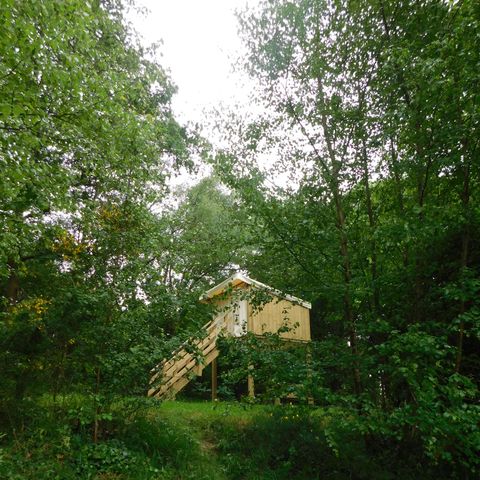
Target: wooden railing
[{"x": 188, "y": 361}]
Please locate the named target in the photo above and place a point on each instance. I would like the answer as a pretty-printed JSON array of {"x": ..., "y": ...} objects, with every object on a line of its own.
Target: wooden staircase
[{"x": 188, "y": 361}]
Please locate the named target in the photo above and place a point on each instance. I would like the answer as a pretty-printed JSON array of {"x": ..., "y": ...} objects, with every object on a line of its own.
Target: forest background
[{"x": 370, "y": 109}]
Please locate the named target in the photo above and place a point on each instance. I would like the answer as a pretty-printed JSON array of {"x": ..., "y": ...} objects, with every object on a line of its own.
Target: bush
[
  {"x": 292, "y": 442},
  {"x": 135, "y": 444}
]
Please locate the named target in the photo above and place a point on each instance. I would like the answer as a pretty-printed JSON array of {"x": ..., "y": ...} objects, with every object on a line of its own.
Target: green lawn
[
  {"x": 205, "y": 411},
  {"x": 199, "y": 423}
]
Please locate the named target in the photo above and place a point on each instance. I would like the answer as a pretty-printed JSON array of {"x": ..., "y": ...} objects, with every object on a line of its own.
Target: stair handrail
[{"x": 216, "y": 325}]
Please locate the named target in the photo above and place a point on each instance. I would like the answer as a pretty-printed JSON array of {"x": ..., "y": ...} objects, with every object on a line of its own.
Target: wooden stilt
[
  {"x": 214, "y": 380},
  {"x": 251, "y": 383}
]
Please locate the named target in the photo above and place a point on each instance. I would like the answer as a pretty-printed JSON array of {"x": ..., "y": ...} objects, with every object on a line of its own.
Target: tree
[
  {"x": 87, "y": 142},
  {"x": 373, "y": 103}
]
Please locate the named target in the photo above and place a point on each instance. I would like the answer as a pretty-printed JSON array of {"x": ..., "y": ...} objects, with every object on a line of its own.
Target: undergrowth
[
  {"x": 144, "y": 440},
  {"x": 135, "y": 443}
]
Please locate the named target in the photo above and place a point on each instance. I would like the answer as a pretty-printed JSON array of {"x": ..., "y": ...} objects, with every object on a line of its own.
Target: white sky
[{"x": 200, "y": 42}]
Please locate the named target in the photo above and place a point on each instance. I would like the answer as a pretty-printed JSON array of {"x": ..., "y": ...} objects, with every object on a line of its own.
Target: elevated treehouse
[{"x": 243, "y": 305}]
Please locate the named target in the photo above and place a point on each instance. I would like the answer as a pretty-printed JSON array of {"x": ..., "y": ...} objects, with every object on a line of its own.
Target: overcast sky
[{"x": 200, "y": 42}]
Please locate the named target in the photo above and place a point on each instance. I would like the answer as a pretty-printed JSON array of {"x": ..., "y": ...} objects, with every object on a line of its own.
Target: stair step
[{"x": 177, "y": 371}]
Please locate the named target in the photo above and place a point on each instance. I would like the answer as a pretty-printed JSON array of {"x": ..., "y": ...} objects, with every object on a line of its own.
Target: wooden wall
[
  {"x": 271, "y": 318},
  {"x": 278, "y": 313},
  {"x": 230, "y": 307},
  {"x": 224, "y": 306}
]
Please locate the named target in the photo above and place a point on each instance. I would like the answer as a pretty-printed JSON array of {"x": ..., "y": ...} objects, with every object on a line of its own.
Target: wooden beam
[
  {"x": 214, "y": 380},
  {"x": 251, "y": 383}
]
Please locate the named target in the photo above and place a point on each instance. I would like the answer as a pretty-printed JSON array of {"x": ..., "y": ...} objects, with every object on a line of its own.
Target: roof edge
[{"x": 239, "y": 278}]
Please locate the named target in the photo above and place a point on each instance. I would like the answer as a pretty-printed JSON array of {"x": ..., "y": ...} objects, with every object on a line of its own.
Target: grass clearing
[{"x": 197, "y": 440}]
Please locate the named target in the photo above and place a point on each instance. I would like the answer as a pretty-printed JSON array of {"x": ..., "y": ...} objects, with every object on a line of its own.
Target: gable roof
[{"x": 238, "y": 278}]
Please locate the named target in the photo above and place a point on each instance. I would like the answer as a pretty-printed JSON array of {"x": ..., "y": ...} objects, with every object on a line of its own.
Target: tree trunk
[
  {"x": 463, "y": 260},
  {"x": 96, "y": 422},
  {"x": 13, "y": 284},
  {"x": 332, "y": 175},
  {"x": 350, "y": 319},
  {"x": 372, "y": 227}
]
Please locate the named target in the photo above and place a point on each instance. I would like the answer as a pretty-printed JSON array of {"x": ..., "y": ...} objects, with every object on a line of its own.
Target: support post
[
  {"x": 251, "y": 383},
  {"x": 214, "y": 380}
]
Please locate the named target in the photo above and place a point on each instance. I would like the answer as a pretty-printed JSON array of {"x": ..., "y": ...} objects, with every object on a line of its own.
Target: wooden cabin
[
  {"x": 243, "y": 305},
  {"x": 252, "y": 306}
]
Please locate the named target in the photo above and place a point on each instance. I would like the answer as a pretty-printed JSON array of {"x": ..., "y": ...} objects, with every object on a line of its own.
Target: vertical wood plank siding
[
  {"x": 274, "y": 315},
  {"x": 278, "y": 313}
]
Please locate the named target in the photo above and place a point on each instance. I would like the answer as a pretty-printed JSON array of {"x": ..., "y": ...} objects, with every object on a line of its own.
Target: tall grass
[{"x": 145, "y": 440}]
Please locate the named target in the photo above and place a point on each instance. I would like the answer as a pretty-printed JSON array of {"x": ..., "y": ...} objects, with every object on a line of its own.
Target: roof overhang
[{"x": 239, "y": 278}]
